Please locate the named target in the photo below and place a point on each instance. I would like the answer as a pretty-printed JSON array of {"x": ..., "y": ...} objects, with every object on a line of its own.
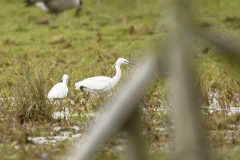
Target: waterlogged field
[{"x": 36, "y": 49}]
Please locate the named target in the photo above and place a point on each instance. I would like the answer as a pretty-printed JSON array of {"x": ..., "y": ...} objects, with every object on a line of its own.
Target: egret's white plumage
[
  {"x": 59, "y": 90},
  {"x": 101, "y": 84}
]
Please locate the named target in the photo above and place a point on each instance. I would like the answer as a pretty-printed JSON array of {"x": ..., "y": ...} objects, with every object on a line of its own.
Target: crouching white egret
[
  {"x": 101, "y": 84},
  {"x": 59, "y": 90}
]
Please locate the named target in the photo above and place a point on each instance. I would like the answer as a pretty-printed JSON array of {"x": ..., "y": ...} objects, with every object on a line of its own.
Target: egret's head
[
  {"x": 124, "y": 61},
  {"x": 65, "y": 78}
]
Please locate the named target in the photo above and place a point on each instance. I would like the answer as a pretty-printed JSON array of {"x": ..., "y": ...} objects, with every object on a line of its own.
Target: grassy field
[{"x": 36, "y": 49}]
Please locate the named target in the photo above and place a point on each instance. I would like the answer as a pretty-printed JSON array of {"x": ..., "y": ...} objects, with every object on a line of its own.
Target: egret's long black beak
[{"x": 132, "y": 63}]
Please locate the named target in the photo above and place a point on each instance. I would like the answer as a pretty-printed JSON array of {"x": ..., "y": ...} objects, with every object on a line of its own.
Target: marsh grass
[
  {"x": 32, "y": 102},
  {"x": 29, "y": 96}
]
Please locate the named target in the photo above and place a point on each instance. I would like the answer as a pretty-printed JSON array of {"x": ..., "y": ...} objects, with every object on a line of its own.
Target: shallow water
[{"x": 64, "y": 135}]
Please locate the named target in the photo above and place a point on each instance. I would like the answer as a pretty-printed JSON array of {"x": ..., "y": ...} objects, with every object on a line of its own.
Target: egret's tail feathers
[
  {"x": 29, "y": 2},
  {"x": 77, "y": 86}
]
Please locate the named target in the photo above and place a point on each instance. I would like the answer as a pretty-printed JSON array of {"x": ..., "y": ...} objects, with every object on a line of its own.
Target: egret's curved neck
[
  {"x": 65, "y": 81},
  {"x": 117, "y": 77}
]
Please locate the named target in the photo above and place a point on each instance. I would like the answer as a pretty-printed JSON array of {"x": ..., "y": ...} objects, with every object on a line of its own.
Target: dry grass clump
[{"x": 29, "y": 95}]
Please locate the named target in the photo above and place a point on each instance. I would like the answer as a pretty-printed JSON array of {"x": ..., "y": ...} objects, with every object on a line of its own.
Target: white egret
[
  {"x": 101, "y": 84},
  {"x": 55, "y": 6},
  {"x": 59, "y": 90}
]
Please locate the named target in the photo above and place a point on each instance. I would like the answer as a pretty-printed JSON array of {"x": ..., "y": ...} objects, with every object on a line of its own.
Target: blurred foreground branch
[
  {"x": 226, "y": 45},
  {"x": 189, "y": 130}
]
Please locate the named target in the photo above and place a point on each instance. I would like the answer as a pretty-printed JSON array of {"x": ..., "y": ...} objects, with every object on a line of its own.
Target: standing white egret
[
  {"x": 59, "y": 90},
  {"x": 101, "y": 84}
]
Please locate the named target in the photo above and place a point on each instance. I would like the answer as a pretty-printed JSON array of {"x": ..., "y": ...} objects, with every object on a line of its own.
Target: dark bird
[{"x": 55, "y": 6}]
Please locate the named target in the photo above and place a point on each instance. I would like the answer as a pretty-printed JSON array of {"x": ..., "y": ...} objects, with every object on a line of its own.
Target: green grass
[{"x": 37, "y": 49}]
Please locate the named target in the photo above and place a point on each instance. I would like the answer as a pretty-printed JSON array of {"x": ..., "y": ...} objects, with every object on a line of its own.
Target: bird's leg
[
  {"x": 52, "y": 102},
  {"x": 69, "y": 103},
  {"x": 64, "y": 113},
  {"x": 85, "y": 99},
  {"x": 87, "y": 96},
  {"x": 61, "y": 108},
  {"x": 77, "y": 11}
]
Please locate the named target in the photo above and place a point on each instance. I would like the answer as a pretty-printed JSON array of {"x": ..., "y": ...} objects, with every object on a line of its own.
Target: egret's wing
[
  {"x": 97, "y": 87},
  {"x": 94, "y": 84},
  {"x": 93, "y": 79},
  {"x": 99, "y": 79},
  {"x": 58, "y": 91}
]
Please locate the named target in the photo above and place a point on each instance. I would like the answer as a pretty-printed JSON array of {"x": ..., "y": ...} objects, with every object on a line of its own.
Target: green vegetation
[{"x": 37, "y": 49}]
